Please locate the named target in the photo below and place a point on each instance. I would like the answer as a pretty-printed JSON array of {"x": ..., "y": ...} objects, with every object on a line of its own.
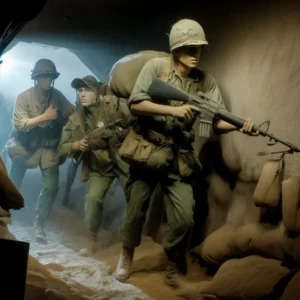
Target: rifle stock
[{"x": 162, "y": 90}]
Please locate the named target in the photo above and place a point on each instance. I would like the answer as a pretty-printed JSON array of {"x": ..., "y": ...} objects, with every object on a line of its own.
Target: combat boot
[
  {"x": 174, "y": 278},
  {"x": 39, "y": 232},
  {"x": 92, "y": 245},
  {"x": 124, "y": 264}
]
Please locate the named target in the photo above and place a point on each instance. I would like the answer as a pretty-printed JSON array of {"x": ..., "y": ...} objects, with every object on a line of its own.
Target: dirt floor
[{"x": 148, "y": 269}]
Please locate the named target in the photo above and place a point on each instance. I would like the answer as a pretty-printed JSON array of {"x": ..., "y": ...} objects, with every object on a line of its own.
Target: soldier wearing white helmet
[{"x": 171, "y": 123}]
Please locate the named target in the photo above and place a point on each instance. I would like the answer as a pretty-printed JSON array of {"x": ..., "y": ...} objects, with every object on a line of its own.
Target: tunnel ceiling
[
  {"x": 77, "y": 23},
  {"x": 116, "y": 28}
]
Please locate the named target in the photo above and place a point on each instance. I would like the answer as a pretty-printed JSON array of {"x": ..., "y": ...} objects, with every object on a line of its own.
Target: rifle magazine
[{"x": 205, "y": 128}]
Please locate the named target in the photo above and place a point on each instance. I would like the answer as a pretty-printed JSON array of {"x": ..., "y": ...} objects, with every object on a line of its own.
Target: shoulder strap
[
  {"x": 166, "y": 69},
  {"x": 194, "y": 88},
  {"x": 165, "y": 72}
]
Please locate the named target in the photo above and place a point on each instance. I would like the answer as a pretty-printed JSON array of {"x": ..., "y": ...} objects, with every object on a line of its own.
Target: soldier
[
  {"x": 39, "y": 116},
  {"x": 165, "y": 153},
  {"x": 104, "y": 164}
]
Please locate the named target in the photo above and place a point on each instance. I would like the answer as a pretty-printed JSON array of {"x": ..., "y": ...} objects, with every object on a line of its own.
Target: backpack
[{"x": 125, "y": 71}]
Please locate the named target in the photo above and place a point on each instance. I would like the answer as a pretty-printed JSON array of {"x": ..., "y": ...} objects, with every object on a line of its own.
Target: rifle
[
  {"x": 161, "y": 90},
  {"x": 98, "y": 132}
]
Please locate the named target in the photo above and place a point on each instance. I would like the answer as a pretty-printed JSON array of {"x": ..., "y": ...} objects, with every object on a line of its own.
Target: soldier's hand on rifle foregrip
[
  {"x": 185, "y": 112},
  {"x": 248, "y": 127},
  {"x": 80, "y": 145}
]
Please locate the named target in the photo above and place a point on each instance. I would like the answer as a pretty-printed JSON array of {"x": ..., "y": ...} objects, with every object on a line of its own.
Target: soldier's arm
[
  {"x": 65, "y": 147},
  {"x": 140, "y": 103},
  {"x": 22, "y": 122}
]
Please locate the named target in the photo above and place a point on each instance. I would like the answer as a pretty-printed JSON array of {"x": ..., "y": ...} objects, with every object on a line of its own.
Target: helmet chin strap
[
  {"x": 50, "y": 90},
  {"x": 35, "y": 83}
]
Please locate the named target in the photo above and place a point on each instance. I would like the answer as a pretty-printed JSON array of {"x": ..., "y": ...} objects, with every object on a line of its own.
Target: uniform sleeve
[
  {"x": 66, "y": 107},
  {"x": 20, "y": 114},
  {"x": 65, "y": 145},
  {"x": 146, "y": 76},
  {"x": 211, "y": 89}
]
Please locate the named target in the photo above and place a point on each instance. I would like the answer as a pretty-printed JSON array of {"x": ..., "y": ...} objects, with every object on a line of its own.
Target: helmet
[
  {"x": 186, "y": 32},
  {"x": 87, "y": 81},
  {"x": 44, "y": 67}
]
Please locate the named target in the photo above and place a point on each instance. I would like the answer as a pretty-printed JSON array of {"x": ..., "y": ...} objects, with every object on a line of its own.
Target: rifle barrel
[{"x": 164, "y": 90}]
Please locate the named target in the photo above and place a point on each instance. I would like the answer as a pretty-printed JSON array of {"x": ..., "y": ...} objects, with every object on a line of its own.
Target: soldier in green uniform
[
  {"x": 39, "y": 116},
  {"x": 104, "y": 164},
  {"x": 166, "y": 134}
]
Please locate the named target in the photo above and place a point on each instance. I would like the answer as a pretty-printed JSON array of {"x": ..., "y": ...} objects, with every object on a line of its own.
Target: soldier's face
[
  {"x": 44, "y": 82},
  {"x": 87, "y": 96},
  {"x": 189, "y": 55}
]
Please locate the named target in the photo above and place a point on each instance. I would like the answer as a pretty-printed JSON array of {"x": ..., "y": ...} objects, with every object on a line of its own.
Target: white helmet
[{"x": 186, "y": 32}]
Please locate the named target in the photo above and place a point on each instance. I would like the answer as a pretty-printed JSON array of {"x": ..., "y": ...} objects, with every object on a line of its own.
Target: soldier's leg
[
  {"x": 48, "y": 193},
  {"x": 16, "y": 173},
  {"x": 71, "y": 174},
  {"x": 138, "y": 192},
  {"x": 179, "y": 204},
  {"x": 46, "y": 200},
  {"x": 98, "y": 187},
  {"x": 122, "y": 178}
]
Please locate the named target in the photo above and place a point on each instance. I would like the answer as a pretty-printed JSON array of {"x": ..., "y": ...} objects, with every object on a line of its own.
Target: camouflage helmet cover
[
  {"x": 44, "y": 66},
  {"x": 186, "y": 32}
]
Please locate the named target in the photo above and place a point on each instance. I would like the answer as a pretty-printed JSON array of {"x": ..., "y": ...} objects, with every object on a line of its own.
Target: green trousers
[
  {"x": 98, "y": 187},
  {"x": 179, "y": 206},
  {"x": 48, "y": 192}
]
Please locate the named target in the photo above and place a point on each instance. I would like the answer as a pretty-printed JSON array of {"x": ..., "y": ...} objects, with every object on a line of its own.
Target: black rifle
[{"x": 164, "y": 91}]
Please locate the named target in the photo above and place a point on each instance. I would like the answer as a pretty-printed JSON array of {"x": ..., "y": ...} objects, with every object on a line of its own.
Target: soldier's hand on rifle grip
[
  {"x": 185, "y": 112},
  {"x": 80, "y": 145},
  {"x": 248, "y": 127}
]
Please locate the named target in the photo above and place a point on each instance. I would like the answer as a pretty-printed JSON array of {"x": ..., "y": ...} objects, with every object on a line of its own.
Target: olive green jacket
[
  {"x": 102, "y": 160},
  {"x": 181, "y": 132}
]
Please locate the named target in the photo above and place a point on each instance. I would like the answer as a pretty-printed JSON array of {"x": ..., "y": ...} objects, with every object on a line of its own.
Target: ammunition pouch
[
  {"x": 149, "y": 149},
  {"x": 185, "y": 139},
  {"x": 22, "y": 145},
  {"x": 16, "y": 151},
  {"x": 187, "y": 162}
]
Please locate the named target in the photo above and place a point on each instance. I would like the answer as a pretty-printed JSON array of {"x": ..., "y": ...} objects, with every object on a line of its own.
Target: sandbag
[
  {"x": 125, "y": 71},
  {"x": 290, "y": 204},
  {"x": 292, "y": 290},
  {"x": 291, "y": 245},
  {"x": 252, "y": 277},
  {"x": 229, "y": 242},
  {"x": 215, "y": 248},
  {"x": 268, "y": 188}
]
